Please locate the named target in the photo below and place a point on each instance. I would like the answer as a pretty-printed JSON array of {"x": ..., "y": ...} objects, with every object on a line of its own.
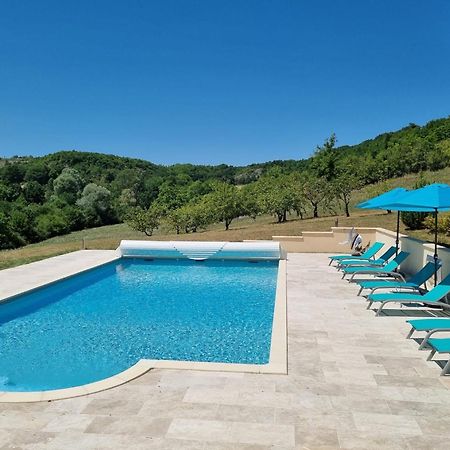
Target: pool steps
[{"x": 199, "y": 254}]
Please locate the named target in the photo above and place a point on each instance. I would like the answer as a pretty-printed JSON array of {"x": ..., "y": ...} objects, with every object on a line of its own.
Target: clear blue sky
[{"x": 234, "y": 81}]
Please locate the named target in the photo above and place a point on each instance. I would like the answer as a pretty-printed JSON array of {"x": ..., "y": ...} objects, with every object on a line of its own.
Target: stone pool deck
[
  {"x": 30, "y": 276},
  {"x": 354, "y": 382}
]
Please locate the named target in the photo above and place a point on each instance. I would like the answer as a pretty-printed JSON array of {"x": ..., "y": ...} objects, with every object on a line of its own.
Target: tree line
[
  {"x": 273, "y": 193},
  {"x": 67, "y": 191}
]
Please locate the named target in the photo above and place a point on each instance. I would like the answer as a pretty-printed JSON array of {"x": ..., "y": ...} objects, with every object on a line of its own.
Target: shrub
[
  {"x": 8, "y": 237},
  {"x": 443, "y": 224},
  {"x": 22, "y": 220},
  {"x": 33, "y": 192},
  {"x": 52, "y": 224},
  {"x": 74, "y": 217},
  {"x": 414, "y": 220}
]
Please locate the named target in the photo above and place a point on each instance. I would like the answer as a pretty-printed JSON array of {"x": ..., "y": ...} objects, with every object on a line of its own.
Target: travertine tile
[
  {"x": 246, "y": 413},
  {"x": 360, "y": 441},
  {"x": 428, "y": 442},
  {"x": 316, "y": 437},
  {"x": 170, "y": 409},
  {"x": 68, "y": 422},
  {"x": 28, "y": 421},
  {"x": 233, "y": 432},
  {"x": 412, "y": 408},
  {"x": 336, "y": 420},
  {"x": 23, "y": 438},
  {"x": 68, "y": 406},
  {"x": 433, "y": 425},
  {"x": 177, "y": 379},
  {"x": 150, "y": 378},
  {"x": 414, "y": 382},
  {"x": 360, "y": 405},
  {"x": 23, "y": 278},
  {"x": 267, "y": 399},
  {"x": 114, "y": 406},
  {"x": 261, "y": 434},
  {"x": 373, "y": 423},
  {"x": 135, "y": 425},
  {"x": 354, "y": 382},
  {"x": 90, "y": 441},
  {"x": 200, "y": 430},
  {"x": 211, "y": 395}
]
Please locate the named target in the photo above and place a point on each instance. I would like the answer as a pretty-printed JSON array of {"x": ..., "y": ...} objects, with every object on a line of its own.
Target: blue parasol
[
  {"x": 378, "y": 203},
  {"x": 433, "y": 198}
]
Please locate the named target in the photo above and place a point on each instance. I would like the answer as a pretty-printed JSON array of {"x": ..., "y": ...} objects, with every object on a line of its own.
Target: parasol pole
[
  {"x": 397, "y": 240},
  {"x": 435, "y": 245}
]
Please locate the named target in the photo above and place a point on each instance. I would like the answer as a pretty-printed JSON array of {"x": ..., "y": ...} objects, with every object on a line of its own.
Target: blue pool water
[{"x": 99, "y": 323}]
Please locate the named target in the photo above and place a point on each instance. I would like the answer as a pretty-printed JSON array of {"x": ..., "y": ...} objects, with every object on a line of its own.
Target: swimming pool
[{"x": 99, "y": 323}]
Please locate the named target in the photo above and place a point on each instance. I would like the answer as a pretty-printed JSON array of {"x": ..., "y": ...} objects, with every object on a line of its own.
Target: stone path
[
  {"x": 23, "y": 278},
  {"x": 354, "y": 382}
]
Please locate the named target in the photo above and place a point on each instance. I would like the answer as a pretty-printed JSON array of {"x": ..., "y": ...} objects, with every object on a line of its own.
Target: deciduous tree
[
  {"x": 315, "y": 191},
  {"x": 67, "y": 185},
  {"x": 145, "y": 221},
  {"x": 96, "y": 204},
  {"x": 276, "y": 195},
  {"x": 343, "y": 187},
  {"x": 224, "y": 203}
]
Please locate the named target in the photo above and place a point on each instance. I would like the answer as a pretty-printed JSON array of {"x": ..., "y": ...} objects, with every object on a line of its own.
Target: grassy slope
[{"x": 263, "y": 228}]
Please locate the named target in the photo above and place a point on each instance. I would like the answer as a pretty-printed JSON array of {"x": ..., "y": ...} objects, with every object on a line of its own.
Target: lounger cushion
[
  {"x": 441, "y": 345},
  {"x": 400, "y": 296},
  {"x": 429, "y": 324}
]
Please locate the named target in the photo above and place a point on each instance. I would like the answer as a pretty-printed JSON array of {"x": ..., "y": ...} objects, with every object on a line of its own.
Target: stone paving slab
[
  {"x": 29, "y": 276},
  {"x": 354, "y": 382}
]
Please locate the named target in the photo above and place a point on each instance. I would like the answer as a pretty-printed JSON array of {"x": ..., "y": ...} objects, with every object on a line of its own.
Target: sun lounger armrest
[
  {"x": 395, "y": 275},
  {"x": 380, "y": 273},
  {"x": 424, "y": 343},
  {"x": 361, "y": 263}
]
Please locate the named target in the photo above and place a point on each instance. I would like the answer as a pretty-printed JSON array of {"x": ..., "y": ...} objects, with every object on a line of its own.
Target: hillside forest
[{"x": 42, "y": 197}]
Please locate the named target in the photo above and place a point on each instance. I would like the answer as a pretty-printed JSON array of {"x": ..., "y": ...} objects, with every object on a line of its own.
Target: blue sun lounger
[
  {"x": 431, "y": 326},
  {"x": 440, "y": 345},
  {"x": 381, "y": 261},
  {"x": 388, "y": 270},
  {"x": 431, "y": 298},
  {"x": 366, "y": 256},
  {"x": 413, "y": 284}
]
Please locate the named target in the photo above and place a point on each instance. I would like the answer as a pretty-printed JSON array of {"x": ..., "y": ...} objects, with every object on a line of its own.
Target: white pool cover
[{"x": 200, "y": 250}]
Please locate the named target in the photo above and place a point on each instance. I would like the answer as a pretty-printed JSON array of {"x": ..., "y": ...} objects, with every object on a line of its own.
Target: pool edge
[{"x": 113, "y": 258}]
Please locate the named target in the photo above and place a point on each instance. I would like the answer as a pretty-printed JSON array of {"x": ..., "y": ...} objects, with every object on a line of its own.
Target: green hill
[{"x": 68, "y": 191}]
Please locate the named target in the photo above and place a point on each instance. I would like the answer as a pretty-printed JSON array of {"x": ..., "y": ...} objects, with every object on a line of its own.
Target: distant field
[{"x": 264, "y": 227}]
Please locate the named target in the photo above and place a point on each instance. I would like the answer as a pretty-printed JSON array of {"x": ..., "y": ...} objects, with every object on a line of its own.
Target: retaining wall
[{"x": 331, "y": 242}]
